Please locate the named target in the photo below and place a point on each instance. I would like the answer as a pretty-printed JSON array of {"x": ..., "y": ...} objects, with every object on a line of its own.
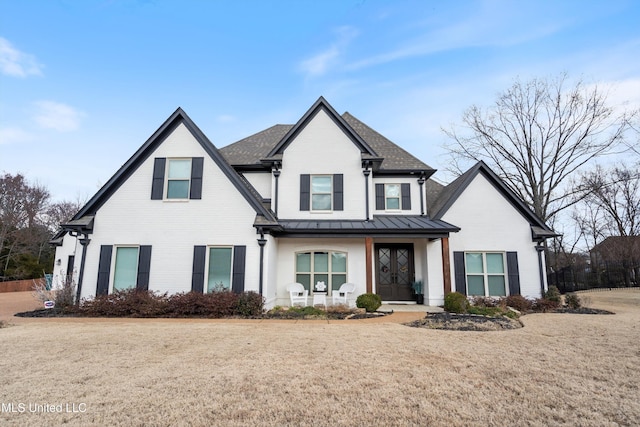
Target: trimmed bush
[
  {"x": 135, "y": 303},
  {"x": 518, "y": 302},
  {"x": 250, "y": 304},
  {"x": 370, "y": 302},
  {"x": 553, "y": 294},
  {"x": 572, "y": 300},
  {"x": 455, "y": 302}
]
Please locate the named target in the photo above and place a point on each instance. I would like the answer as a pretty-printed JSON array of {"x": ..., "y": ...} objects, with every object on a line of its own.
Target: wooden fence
[{"x": 19, "y": 285}]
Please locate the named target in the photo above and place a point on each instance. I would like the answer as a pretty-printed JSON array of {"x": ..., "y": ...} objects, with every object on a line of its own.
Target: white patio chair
[
  {"x": 298, "y": 294},
  {"x": 341, "y": 296}
]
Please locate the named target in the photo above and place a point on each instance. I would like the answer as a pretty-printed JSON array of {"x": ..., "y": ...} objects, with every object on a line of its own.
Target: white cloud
[
  {"x": 320, "y": 63},
  {"x": 13, "y": 135},
  {"x": 15, "y": 63},
  {"x": 57, "y": 116}
]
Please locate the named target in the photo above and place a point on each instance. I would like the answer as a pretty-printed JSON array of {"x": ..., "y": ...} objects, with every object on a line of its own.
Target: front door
[{"x": 394, "y": 271}]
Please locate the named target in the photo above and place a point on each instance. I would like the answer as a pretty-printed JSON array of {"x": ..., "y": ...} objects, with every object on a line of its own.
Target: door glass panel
[
  {"x": 385, "y": 265},
  {"x": 475, "y": 285},
  {"x": 338, "y": 262},
  {"x": 497, "y": 286},
  {"x": 403, "y": 274},
  {"x": 495, "y": 263},
  {"x": 219, "y": 269},
  {"x": 474, "y": 263},
  {"x": 126, "y": 270}
]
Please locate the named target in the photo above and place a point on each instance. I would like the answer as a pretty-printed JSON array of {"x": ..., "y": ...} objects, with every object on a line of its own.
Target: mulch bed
[{"x": 474, "y": 322}]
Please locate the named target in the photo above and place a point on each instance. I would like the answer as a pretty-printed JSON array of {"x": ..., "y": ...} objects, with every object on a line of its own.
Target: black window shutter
[
  {"x": 197, "y": 164},
  {"x": 305, "y": 187},
  {"x": 104, "y": 267},
  {"x": 514, "y": 273},
  {"x": 197, "y": 278},
  {"x": 338, "y": 197},
  {"x": 380, "y": 197},
  {"x": 144, "y": 267},
  {"x": 157, "y": 185},
  {"x": 237, "y": 277},
  {"x": 460, "y": 274},
  {"x": 405, "y": 190}
]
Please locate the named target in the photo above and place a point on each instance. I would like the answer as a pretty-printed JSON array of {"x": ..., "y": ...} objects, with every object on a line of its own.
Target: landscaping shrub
[
  {"x": 543, "y": 305},
  {"x": 125, "y": 303},
  {"x": 370, "y": 302},
  {"x": 485, "y": 311},
  {"x": 517, "y": 302},
  {"x": 455, "y": 302},
  {"x": 572, "y": 300},
  {"x": 553, "y": 294},
  {"x": 250, "y": 304},
  {"x": 484, "y": 301}
]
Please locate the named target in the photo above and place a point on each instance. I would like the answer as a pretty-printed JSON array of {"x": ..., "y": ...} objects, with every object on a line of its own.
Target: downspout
[
  {"x": 261, "y": 242},
  {"x": 540, "y": 249},
  {"x": 84, "y": 241},
  {"x": 276, "y": 174},
  {"x": 421, "y": 181},
  {"x": 366, "y": 173}
]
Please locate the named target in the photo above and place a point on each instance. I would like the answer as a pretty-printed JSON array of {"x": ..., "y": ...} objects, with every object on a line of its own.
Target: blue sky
[{"x": 84, "y": 83}]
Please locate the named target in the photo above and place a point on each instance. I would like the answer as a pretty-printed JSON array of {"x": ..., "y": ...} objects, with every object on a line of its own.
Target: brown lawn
[{"x": 560, "y": 369}]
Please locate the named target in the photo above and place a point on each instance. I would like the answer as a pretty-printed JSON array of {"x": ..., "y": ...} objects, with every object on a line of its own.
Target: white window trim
[
  {"x": 166, "y": 180},
  {"x": 206, "y": 266},
  {"x": 485, "y": 273},
  {"x": 114, "y": 257},
  {"x": 386, "y": 207},
  {"x": 311, "y": 193},
  {"x": 328, "y": 273}
]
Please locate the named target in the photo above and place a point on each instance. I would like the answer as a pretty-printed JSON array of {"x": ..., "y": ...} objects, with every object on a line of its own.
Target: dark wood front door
[{"x": 394, "y": 271}]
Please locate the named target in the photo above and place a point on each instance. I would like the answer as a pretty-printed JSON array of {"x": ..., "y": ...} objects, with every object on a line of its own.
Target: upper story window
[
  {"x": 393, "y": 196},
  {"x": 178, "y": 178},
  {"x": 321, "y": 192}
]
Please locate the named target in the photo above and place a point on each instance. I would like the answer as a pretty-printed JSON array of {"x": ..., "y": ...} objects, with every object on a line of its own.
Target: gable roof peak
[{"x": 321, "y": 104}]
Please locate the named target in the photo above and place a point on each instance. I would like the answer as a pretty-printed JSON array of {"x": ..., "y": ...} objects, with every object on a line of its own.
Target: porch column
[
  {"x": 368, "y": 244},
  {"x": 446, "y": 265}
]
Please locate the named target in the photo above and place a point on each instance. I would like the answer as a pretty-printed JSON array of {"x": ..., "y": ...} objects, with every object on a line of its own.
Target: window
[
  {"x": 178, "y": 178},
  {"x": 126, "y": 268},
  {"x": 220, "y": 268},
  {"x": 485, "y": 273},
  {"x": 329, "y": 267},
  {"x": 392, "y": 196},
  {"x": 321, "y": 192}
]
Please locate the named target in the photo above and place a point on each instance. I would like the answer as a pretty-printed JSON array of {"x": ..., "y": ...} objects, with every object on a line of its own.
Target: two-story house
[{"x": 325, "y": 200}]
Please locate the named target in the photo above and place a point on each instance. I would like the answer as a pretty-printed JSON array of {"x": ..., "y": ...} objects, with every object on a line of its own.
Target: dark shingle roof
[
  {"x": 395, "y": 157},
  {"x": 250, "y": 150}
]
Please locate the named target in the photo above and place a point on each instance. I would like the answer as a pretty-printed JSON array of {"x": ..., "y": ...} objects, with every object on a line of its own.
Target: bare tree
[
  {"x": 611, "y": 215},
  {"x": 536, "y": 135}
]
